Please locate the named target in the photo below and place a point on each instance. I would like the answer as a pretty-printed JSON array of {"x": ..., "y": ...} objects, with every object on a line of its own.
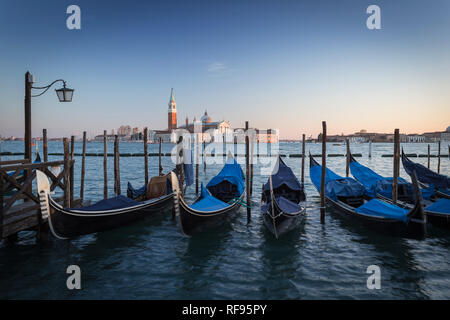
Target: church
[{"x": 206, "y": 128}]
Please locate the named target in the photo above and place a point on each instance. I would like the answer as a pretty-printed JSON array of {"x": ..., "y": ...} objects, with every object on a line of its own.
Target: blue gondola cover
[
  {"x": 231, "y": 172},
  {"x": 425, "y": 175},
  {"x": 335, "y": 185},
  {"x": 379, "y": 208},
  {"x": 441, "y": 206},
  {"x": 207, "y": 202},
  {"x": 118, "y": 202},
  {"x": 134, "y": 193},
  {"x": 377, "y": 184},
  {"x": 283, "y": 175},
  {"x": 284, "y": 204}
]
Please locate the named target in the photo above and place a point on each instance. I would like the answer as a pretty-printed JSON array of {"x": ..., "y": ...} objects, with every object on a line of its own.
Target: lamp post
[{"x": 64, "y": 95}]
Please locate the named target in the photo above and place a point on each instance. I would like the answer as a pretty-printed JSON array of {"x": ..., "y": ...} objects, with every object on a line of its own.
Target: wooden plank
[
  {"x": 9, "y": 162},
  {"x": 31, "y": 166}
]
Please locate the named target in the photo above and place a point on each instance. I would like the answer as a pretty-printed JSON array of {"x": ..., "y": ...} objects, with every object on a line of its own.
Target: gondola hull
[
  {"x": 415, "y": 227},
  {"x": 69, "y": 224},
  {"x": 107, "y": 214},
  {"x": 283, "y": 222},
  {"x": 192, "y": 221}
]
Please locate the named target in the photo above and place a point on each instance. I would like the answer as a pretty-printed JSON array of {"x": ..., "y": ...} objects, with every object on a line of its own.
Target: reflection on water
[{"x": 153, "y": 260}]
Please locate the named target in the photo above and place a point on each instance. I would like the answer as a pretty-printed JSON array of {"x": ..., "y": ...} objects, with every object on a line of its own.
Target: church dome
[
  {"x": 448, "y": 129},
  {"x": 206, "y": 118}
]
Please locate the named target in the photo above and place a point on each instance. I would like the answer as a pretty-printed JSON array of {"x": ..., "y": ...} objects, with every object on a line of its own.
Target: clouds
[{"x": 217, "y": 68}]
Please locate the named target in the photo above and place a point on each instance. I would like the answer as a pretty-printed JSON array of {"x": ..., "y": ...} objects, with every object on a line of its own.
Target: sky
[{"x": 283, "y": 64}]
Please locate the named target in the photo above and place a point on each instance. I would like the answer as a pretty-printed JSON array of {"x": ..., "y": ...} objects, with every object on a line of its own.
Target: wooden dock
[{"x": 19, "y": 206}]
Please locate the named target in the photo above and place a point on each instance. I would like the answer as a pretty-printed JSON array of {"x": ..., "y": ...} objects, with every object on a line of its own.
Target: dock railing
[{"x": 19, "y": 206}]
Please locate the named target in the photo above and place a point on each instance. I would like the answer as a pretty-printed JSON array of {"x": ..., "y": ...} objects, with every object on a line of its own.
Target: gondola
[
  {"x": 218, "y": 202},
  {"x": 104, "y": 215},
  {"x": 439, "y": 182},
  {"x": 437, "y": 213},
  {"x": 281, "y": 200},
  {"x": 348, "y": 197}
]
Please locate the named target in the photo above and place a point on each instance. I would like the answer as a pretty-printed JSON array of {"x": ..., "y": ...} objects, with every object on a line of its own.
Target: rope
[{"x": 237, "y": 200}]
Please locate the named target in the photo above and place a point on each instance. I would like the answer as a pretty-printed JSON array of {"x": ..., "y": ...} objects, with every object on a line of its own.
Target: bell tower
[{"x": 172, "y": 112}]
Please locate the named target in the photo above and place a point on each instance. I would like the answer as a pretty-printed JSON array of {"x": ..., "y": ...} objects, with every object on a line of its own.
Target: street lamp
[{"x": 64, "y": 95}]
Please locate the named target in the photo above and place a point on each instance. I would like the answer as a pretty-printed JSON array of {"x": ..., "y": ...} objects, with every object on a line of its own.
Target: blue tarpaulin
[
  {"x": 284, "y": 204},
  {"x": 441, "y": 206},
  {"x": 118, "y": 202},
  {"x": 283, "y": 175},
  {"x": 379, "y": 208},
  {"x": 425, "y": 175},
  {"x": 377, "y": 184},
  {"x": 133, "y": 193},
  {"x": 207, "y": 202},
  {"x": 335, "y": 185},
  {"x": 232, "y": 173},
  {"x": 345, "y": 187}
]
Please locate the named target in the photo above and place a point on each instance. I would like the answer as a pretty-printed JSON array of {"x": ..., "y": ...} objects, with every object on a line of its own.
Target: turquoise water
[{"x": 241, "y": 260}]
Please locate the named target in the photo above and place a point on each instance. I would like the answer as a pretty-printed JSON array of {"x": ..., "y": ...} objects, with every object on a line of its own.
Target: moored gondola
[
  {"x": 348, "y": 197},
  {"x": 282, "y": 200},
  {"x": 218, "y": 202},
  {"x": 437, "y": 213},
  {"x": 104, "y": 215},
  {"x": 438, "y": 182}
]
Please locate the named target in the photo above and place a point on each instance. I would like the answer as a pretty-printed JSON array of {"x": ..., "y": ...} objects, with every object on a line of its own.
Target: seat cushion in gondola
[
  {"x": 118, "y": 202},
  {"x": 440, "y": 206},
  {"x": 157, "y": 187},
  {"x": 379, "y": 208}
]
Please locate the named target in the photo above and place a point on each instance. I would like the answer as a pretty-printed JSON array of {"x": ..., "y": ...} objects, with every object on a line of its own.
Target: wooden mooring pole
[
  {"x": 347, "y": 158},
  {"x": 159, "y": 163},
  {"x": 146, "y": 154},
  {"x": 370, "y": 149},
  {"x": 116, "y": 165},
  {"x": 45, "y": 144},
  {"x": 439, "y": 157},
  {"x": 247, "y": 172},
  {"x": 105, "y": 164},
  {"x": 303, "y": 160},
  {"x": 83, "y": 167},
  {"x": 204, "y": 155},
  {"x": 251, "y": 162},
  {"x": 196, "y": 163},
  {"x": 72, "y": 167},
  {"x": 66, "y": 173},
  {"x": 428, "y": 156},
  {"x": 322, "y": 179},
  {"x": 396, "y": 165},
  {"x": 1, "y": 205}
]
